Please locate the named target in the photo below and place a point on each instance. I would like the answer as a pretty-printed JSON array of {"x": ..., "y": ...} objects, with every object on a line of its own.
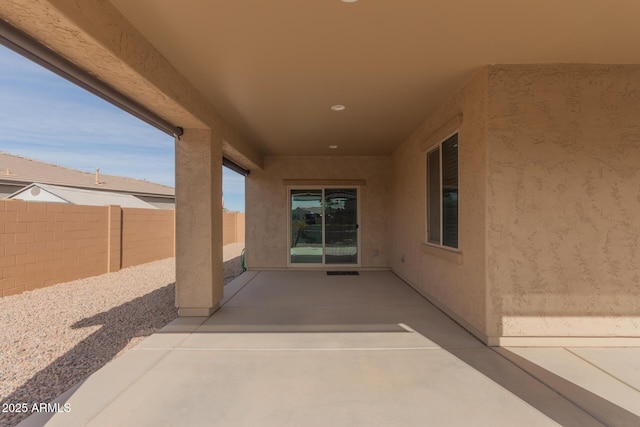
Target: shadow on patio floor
[
  {"x": 118, "y": 326},
  {"x": 334, "y": 343},
  {"x": 282, "y": 307}
]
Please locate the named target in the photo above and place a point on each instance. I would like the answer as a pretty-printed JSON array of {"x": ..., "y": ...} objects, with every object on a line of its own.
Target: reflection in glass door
[
  {"x": 306, "y": 227},
  {"x": 341, "y": 226},
  {"x": 324, "y": 233}
]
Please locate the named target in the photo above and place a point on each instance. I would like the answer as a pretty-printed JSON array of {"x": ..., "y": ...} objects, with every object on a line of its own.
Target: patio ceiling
[{"x": 274, "y": 69}]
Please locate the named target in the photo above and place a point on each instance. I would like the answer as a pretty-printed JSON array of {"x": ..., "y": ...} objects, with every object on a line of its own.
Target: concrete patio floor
[{"x": 306, "y": 349}]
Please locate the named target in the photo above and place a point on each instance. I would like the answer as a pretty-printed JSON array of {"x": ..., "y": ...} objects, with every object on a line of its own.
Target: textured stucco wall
[
  {"x": 267, "y": 213},
  {"x": 198, "y": 222},
  {"x": 455, "y": 281},
  {"x": 564, "y": 189}
]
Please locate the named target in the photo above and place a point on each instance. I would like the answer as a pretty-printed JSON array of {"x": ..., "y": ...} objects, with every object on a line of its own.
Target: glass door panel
[
  {"x": 341, "y": 226},
  {"x": 306, "y": 227}
]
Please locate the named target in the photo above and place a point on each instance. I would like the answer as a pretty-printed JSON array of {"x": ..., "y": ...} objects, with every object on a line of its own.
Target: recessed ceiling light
[
  {"x": 338, "y": 107},
  {"x": 349, "y": 1},
  {"x": 333, "y": 147}
]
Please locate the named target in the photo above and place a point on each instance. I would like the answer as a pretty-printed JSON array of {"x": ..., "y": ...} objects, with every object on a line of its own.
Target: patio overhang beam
[
  {"x": 30, "y": 48},
  {"x": 235, "y": 167}
]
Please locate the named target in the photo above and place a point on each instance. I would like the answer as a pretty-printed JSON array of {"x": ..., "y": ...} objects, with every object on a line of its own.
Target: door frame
[{"x": 323, "y": 265}]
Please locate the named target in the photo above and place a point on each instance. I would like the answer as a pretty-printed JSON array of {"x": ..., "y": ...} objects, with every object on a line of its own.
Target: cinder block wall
[
  {"x": 147, "y": 235},
  {"x": 233, "y": 227},
  {"x": 46, "y": 243},
  {"x": 42, "y": 244}
]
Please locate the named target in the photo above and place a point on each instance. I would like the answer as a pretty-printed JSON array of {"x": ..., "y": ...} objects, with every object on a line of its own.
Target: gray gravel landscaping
[{"x": 53, "y": 338}]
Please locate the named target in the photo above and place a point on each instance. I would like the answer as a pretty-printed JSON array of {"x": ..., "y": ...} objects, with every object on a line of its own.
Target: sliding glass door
[
  {"x": 306, "y": 227},
  {"x": 341, "y": 226},
  {"x": 324, "y": 226}
]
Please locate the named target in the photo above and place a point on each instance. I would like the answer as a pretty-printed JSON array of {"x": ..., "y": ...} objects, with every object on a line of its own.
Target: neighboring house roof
[
  {"x": 21, "y": 170},
  {"x": 315, "y": 209},
  {"x": 77, "y": 196}
]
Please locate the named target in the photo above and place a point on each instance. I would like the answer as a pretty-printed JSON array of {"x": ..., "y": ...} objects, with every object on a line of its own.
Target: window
[{"x": 442, "y": 193}]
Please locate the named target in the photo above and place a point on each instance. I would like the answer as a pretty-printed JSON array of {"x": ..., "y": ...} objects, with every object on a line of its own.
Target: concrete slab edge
[
  {"x": 117, "y": 387},
  {"x": 197, "y": 311},
  {"x": 498, "y": 341},
  {"x": 40, "y": 418},
  {"x": 600, "y": 368},
  {"x": 564, "y": 341},
  {"x": 572, "y": 392},
  {"x": 183, "y": 325},
  {"x": 236, "y": 285},
  {"x": 453, "y": 316}
]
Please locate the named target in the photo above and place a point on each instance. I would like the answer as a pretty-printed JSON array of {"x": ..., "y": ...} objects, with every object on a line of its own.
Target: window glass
[
  {"x": 306, "y": 227},
  {"x": 442, "y": 193},
  {"x": 433, "y": 191},
  {"x": 450, "y": 192},
  {"x": 341, "y": 226}
]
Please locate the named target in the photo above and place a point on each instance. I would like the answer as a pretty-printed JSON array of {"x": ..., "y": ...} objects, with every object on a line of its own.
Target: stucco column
[{"x": 198, "y": 222}]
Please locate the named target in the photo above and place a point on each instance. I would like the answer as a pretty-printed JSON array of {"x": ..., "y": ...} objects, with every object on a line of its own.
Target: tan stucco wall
[
  {"x": 267, "y": 213},
  {"x": 456, "y": 281},
  {"x": 549, "y": 203},
  {"x": 564, "y": 216},
  {"x": 198, "y": 248}
]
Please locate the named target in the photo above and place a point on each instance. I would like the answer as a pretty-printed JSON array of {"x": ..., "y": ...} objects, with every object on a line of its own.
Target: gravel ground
[{"x": 53, "y": 338}]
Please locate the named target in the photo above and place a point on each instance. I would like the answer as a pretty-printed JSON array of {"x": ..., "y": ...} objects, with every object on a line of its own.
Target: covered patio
[
  {"x": 477, "y": 157},
  {"x": 489, "y": 164},
  {"x": 305, "y": 348}
]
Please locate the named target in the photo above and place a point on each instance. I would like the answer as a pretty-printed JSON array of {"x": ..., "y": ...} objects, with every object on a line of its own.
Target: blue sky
[{"x": 44, "y": 117}]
